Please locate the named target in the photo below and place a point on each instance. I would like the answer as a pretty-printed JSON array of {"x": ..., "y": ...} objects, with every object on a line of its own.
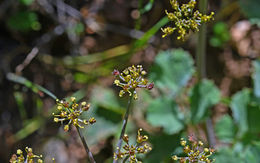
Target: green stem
[
  {"x": 201, "y": 47},
  {"x": 90, "y": 156},
  {"x": 119, "y": 144},
  {"x": 201, "y": 66}
]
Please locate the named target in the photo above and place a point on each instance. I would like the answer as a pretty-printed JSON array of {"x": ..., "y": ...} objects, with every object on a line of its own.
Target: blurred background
[{"x": 60, "y": 48}]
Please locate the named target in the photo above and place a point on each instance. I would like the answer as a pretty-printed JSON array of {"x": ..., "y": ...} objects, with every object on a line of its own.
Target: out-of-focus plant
[
  {"x": 27, "y": 2},
  {"x": 30, "y": 157},
  {"x": 24, "y": 21},
  {"x": 185, "y": 18},
  {"x": 131, "y": 151},
  {"x": 220, "y": 35}
]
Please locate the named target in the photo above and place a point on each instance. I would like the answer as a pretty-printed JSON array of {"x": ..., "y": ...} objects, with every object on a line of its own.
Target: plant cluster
[
  {"x": 130, "y": 151},
  {"x": 185, "y": 18},
  {"x": 195, "y": 152},
  {"x": 70, "y": 112},
  {"x": 130, "y": 79},
  {"x": 30, "y": 157}
]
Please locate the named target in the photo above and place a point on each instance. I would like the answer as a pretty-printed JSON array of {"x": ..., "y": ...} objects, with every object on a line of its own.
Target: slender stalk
[
  {"x": 201, "y": 66},
  {"x": 201, "y": 47},
  {"x": 90, "y": 156},
  {"x": 119, "y": 144}
]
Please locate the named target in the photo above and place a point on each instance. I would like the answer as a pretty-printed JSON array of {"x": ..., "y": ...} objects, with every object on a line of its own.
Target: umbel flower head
[
  {"x": 30, "y": 157},
  {"x": 70, "y": 112},
  {"x": 195, "y": 152},
  {"x": 185, "y": 18},
  {"x": 130, "y": 151},
  {"x": 130, "y": 79}
]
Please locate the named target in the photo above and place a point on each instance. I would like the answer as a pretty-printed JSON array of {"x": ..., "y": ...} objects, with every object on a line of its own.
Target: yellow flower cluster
[
  {"x": 130, "y": 151},
  {"x": 195, "y": 152},
  {"x": 130, "y": 79},
  {"x": 185, "y": 19},
  {"x": 70, "y": 112},
  {"x": 30, "y": 157}
]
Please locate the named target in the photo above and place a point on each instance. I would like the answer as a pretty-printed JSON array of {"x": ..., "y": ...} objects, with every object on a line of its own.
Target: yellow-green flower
[
  {"x": 130, "y": 151},
  {"x": 195, "y": 152},
  {"x": 185, "y": 18},
  {"x": 30, "y": 157},
  {"x": 70, "y": 112},
  {"x": 131, "y": 79}
]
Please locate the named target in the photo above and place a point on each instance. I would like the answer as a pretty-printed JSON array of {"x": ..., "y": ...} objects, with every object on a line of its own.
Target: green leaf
[
  {"x": 106, "y": 104},
  {"x": 250, "y": 8},
  {"x": 225, "y": 129},
  {"x": 172, "y": 70},
  {"x": 151, "y": 32},
  {"x": 34, "y": 87},
  {"x": 239, "y": 104},
  {"x": 256, "y": 78},
  {"x": 81, "y": 77},
  {"x": 24, "y": 21},
  {"x": 252, "y": 154},
  {"x": 163, "y": 112},
  {"x": 203, "y": 96},
  {"x": 221, "y": 34},
  {"x": 163, "y": 146},
  {"x": 227, "y": 155},
  {"x": 253, "y": 116},
  {"x": 239, "y": 154},
  {"x": 100, "y": 130},
  {"x": 147, "y": 7}
]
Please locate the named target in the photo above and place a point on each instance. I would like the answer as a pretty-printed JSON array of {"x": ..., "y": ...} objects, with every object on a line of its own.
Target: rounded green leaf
[
  {"x": 203, "y": 96},
  {"x": 172, "y": 70},
  {"x": 225, "y": 129},
  {"x": 163, "y": 112}
]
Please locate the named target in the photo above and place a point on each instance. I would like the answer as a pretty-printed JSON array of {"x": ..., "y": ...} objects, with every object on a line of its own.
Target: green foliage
[
  {"x": 108, "y": 111},
  {"x": 147, "y": 7},
  {"x": 253, "y": 115},
  {"x": 203, "y": 96},
  {"x": 163, "y": 112},
  {"x": 250, "y": 8},
  {"x": 24, "y": 21},
  {"x": 163, "y": 146},
  {"x": 79, "y": 28},
  {"x": 150, "y": 33},
  {"x": 255, "y": 21},
  {"x": 172, "y": 71},
  {"x": 225, "y": 129},
  {"x": 220, "y": 35},
  {"x": 239, "y": 110},
  {"x": 81, "y": 77},
  {"x": 239, "y": 154},
  {"x": 27, "y": 2}
]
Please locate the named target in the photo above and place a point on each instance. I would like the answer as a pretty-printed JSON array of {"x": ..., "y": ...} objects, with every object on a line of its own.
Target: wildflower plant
[
  {"x": 185, "y": 18},
  {"x": 195, "y": 152},
  {"x": 70, "y": 112},
  {"x": 29, "y": 157},
  {"x": 131, "y": 151},
  {"x": 131, "y": 79}
]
